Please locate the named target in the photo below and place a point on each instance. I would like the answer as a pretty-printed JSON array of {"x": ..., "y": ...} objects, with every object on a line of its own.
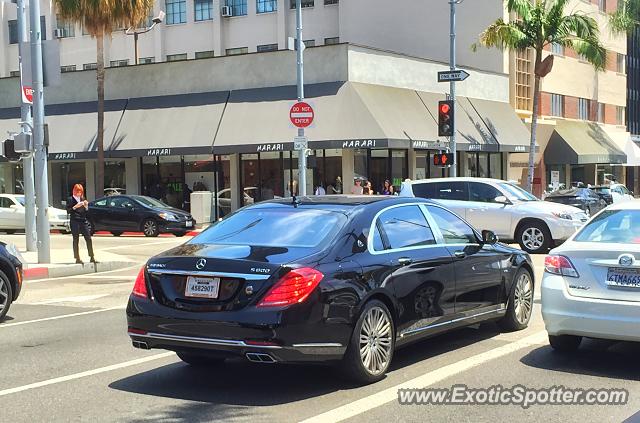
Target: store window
[
  {"x": 115, "y": 177},
  {"x": 422, "y": 165},
  {"x": 199, "y": 172},
  {"x": 64, "y": 177},
  {"x": 379, "y": 170},
  {"x": 495, "y": 166},
  {"x": 399, "y": 170},
  {"x": 170, "y": 172}
]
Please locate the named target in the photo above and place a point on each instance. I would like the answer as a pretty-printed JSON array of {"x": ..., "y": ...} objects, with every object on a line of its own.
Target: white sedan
[
  {"x": 12, "y": 215},
  {"x": 591, "y": 284}
]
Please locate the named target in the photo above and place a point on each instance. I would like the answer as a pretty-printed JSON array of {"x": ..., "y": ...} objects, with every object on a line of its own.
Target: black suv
[{"x": 10, "y": 279}]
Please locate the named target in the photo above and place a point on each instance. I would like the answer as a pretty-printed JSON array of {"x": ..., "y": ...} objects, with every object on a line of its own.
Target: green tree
[
  {"x": 99, "y": 18},
  {"x": 540, "y": 23},
  {"x": 626, "y": 18}
]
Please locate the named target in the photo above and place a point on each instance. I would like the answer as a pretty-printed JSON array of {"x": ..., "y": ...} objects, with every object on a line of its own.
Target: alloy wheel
[
  {"x": 375, "y": 341},
  {"x": 533, "y": 238},
  {"x": 150, "y": 228},
  {"x": 4, "y": 294},
  {"x": 523, "y": 298}
]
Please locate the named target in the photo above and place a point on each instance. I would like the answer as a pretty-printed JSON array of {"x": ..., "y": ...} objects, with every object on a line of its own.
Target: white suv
[{"x": 504, "y": 208}]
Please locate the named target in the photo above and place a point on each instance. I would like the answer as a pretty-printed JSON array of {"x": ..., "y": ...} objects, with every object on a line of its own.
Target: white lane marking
[
  {"x": 391, "y": 394},
  {"x": 120, "y": 247},
  {"x": 85, "y": 374},
  {"x": 76, "y": 299},
  {"x": 88, "y": 275},
  {"x": 63, "y": 316}
]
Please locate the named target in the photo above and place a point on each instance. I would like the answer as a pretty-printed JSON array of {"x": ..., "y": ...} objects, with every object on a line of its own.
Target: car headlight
[
  {"x": 169, "y": 216},
  {"x": 13, "y": 250},
  {"x": 562, "y": 215}
]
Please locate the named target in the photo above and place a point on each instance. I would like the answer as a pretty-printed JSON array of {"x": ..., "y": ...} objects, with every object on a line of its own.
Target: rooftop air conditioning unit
[{"x": 227, "y": 12}]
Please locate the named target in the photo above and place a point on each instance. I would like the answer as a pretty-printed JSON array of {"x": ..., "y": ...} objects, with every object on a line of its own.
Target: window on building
[
  {"x": 236, "y": 51},
  {"x": 328, "y": 2},
  {"x": 266, "y": 6},
  {"x": 13, "y": 31},
  {"x": 176, "y": 57},
  {"x": 557, "y": 105},
  {"x": 203, "y": 10},
  {"x": 619, "y": 115},
  {"x": 66, "y": 29},
  {"x": 119, "y": 63},
  {"x": 67, "y": 68},
  {"x": 601, "y": 112},
  {"x": 14, "y": 73},
  {"x": 146, "y": 60},
  {"x": 176, "y": 11},
  {"x": 238, "y": 7},
  {"x": 305, "y": 3},
  {"x": 267, "y": 47},
  {"x": 620, "y": 63},
  {"x": 332, "y": 40},
  {"x": 557, "y": 49},
  {"x": 583, "y": 109},
  {"x": 90, "y": 66},
  {"x": 309, "y": 43},
  {"x": 602, "y": 5},
  {"x": 43, "y": 27},
  {"x": 204, "y": 54}
]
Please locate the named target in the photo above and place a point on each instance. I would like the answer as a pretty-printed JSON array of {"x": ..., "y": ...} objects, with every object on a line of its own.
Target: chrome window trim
[
  {"x": 396, "y": 250},
  {"x": 246, "y": 276},
  {"x": 478, "y": 236},
  {"x": 196, "y": 340},
  {"x": 459, "y": 319},
  {"x": 318, "y": 345}
]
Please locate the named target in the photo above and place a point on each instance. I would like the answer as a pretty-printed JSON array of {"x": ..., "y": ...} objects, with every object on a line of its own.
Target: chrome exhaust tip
[
  {"x": 140, "y": 344},
  {"x": 260, "y": 358}
]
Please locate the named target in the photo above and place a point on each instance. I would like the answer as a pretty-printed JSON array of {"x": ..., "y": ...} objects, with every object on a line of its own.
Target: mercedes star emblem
[
  {"x": 625, "y": 260},
  {"x": 201, "y": 263}
]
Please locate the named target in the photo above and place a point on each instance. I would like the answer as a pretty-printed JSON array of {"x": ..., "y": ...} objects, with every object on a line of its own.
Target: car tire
[
  {"x": 10, "y": 231},
  {"x": 6, "y": 295},
  {"x": 565, "y": 343},
  {"x": 150, "y": 228},
  {"x": 534, "y": 237},
  {"x": 520, "y": 302},
  {"x": 199, "y": 360},
  {"x": 180, "y": 234},
  {"x": 116, "y": 233},
  {"x": 364, "y": 367}
]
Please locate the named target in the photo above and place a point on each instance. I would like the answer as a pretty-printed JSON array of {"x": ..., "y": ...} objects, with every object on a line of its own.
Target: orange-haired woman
[{"x": 77, "y": 207}]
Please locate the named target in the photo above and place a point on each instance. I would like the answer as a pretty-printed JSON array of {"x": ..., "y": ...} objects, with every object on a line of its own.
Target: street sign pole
[
  {"x": 302, "y": 152},
  {"x": 40, "y": 159},
  {"x": 453, "y": 171},
  {"x": 25, "y": 115}
]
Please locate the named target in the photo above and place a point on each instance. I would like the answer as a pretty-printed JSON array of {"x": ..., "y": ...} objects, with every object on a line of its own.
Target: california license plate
[
  {"x": 202, "y": 287},
  {"x": 626, "y": 278},
  {"x": 189, "y": 223}
]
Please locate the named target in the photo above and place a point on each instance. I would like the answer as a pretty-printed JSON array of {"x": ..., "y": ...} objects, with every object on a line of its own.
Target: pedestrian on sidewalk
[{"x": 77, "y": 207}]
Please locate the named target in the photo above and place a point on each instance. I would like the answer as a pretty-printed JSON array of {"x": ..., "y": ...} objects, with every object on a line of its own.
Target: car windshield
[
  {"x": 149, "y": 201},
  {"x": 20, "y": 199},
  {"x": 275, "y": 227},
  {"x": 602, "y": 190},
  {"x": 612, "y": 226},
  {"x": 516, "y": 193}
]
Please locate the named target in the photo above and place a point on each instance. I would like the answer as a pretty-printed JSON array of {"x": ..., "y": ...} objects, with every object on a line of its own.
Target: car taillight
[
  {"x": 560, "y": 265},
  {"x": 140, "y": 286},
  {"x": 292, "y": 288}
]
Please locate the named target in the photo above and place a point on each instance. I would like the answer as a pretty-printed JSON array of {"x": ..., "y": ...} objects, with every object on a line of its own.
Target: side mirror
[
  {"x": 501, "y": 199},
  {"x": 14, "y": 206},
  {"x": 488, "y": 237}
]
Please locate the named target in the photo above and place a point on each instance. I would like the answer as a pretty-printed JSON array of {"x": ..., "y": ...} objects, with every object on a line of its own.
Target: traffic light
[
  {"x": 443, "y": 159},
  {"x": 445, "y": 118}
]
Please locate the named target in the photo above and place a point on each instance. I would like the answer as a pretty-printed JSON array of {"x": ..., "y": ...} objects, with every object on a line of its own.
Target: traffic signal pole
[
  {"x": 27, "y": 124},
  {"x": 302, "y": 152},
  {"x": 453, "y": 170},
  {"x": 40, "y": 158}
]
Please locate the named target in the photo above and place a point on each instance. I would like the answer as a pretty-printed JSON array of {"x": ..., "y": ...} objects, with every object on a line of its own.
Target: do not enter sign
[{"x": 301, "y": 115}]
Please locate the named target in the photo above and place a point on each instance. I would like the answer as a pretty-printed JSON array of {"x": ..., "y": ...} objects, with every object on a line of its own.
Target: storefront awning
[
  {"x": 574, "y": 142},
  {"x": 625, "y": 143},
  {"x": 502, "y": 122},
  {"x": 168, "y": 125}
]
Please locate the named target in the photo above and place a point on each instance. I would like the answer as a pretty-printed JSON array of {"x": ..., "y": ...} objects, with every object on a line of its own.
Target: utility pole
[
  {"x": 453, "y": 170},
  {"x": 27, "y": 124},
  {"x": 40, "y": 159},
  {"x": 302, "y": 152}
]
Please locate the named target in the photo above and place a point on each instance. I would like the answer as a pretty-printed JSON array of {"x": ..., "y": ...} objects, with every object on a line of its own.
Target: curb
[{"x": 34, "y": 273}]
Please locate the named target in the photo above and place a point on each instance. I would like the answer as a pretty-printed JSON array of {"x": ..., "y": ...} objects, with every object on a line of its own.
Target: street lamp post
[
  {"x": 452, "y": 87},
  {"x": 302, "y": 152},
  {"x": 137, "y": 31}
]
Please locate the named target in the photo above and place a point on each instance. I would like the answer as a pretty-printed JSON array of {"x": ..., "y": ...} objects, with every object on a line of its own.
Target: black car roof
[{"x": 347, "y": 201}]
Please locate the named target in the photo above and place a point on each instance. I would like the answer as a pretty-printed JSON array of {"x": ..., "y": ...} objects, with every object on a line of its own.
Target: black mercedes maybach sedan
[{"x": 343, "y": 279}]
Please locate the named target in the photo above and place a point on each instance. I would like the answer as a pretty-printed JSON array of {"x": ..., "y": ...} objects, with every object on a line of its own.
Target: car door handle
[
  {"x": 460, "y": 254},
  {"x": 404, "y": 261}
]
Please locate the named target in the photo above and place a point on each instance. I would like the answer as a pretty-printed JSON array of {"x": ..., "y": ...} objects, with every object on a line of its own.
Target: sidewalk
[{"x": 63, "y": 264}]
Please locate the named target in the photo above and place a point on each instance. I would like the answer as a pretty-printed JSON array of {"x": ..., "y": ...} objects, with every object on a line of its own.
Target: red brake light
[
  {"x": 560, "y": 265},
  {"x": 140, "y": 286},
  {"x": 292, "y": 288}
]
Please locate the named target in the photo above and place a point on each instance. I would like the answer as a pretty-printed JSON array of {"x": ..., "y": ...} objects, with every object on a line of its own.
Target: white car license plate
[
  {"x": 189, "y": 223},
  {"x": 626, "y": 278},
  {"x": 202, "y": 287}
]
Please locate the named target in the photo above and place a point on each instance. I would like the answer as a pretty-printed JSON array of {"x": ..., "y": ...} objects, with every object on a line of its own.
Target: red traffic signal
[
  {"x": 445, "y": 118},
  {"x": 444, "y": 108},
  {"x": 443, "y": 159}
]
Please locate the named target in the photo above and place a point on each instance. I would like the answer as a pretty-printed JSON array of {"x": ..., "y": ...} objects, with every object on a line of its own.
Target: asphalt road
[{"x": 66, "y": 357}]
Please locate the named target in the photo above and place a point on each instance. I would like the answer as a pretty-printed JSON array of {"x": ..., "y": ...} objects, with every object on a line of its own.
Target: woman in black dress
[{"x": 77, "y": 207}]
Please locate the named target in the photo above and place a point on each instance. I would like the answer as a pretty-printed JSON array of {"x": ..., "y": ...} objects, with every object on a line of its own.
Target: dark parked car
[
  {"x": 10, "y": 279},
  {"x": 582, "y": 198},
  {"x": 327, "y": 279},
  {"x": 123, "y": 213}
]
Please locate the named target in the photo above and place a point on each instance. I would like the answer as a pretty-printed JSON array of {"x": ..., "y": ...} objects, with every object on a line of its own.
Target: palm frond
[
  {"x": 626, "y": 18},
  {"x": 522, "y": 8},
  {"x": 592, "y": 51},
  {"x": 101, "y": 16},
  {"x": 503, "y": 35}
]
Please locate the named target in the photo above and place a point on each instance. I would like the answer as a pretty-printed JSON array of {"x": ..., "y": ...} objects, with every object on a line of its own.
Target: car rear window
[
  {"x": 275, "y": 227},
  {"x": 612, "y": 226}
]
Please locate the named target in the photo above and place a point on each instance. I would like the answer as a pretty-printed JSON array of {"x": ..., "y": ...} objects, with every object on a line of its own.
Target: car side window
[
  {"x": 483, "y": 193},
  {"x": 424, "y": 190},
  {"x": 5, "y": 203},
  {"x": 403, "y": 227},
  {"x": 454, "y": 230},
  {"x": 378, "y": 245},
  {"x": 451, "y": 191},
  {"x": 101, "y": 203}
]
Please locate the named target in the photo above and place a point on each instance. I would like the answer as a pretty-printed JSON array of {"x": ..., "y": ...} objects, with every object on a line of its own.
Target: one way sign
[{"x": 455, "y": 75}]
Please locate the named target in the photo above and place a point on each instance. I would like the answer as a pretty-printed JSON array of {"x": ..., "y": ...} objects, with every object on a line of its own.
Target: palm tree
[
  {"x": 99, "y": 18},
  {"x": 540, "y": 23},
  {"x": 626, "y": 18}
]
